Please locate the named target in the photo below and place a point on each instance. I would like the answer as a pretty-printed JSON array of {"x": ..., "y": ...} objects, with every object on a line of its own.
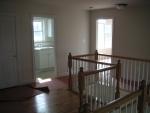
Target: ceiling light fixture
[
  {"x": 121, "y": 5},
  {"x": 91, "y": 7}
]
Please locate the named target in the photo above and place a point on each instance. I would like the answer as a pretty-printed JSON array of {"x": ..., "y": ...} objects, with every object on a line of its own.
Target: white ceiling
[
  {"x": 94, "y": 4},
  {"x": 88, "y": 4}
]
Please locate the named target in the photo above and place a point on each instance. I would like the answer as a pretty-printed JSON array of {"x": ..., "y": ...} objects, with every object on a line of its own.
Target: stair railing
[
  {"x": 132, "y": 69},
  {"x": 98, "y": 87},
  {"x": 134, "y": 102},
  {"x": 74, "y": 64}
]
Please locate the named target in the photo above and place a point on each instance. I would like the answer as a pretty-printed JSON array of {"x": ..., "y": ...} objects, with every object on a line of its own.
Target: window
[
  {"x": 104, "y": 35},
  {"x": 38, "y": 31},
  {"x": 43, "y": 29}
]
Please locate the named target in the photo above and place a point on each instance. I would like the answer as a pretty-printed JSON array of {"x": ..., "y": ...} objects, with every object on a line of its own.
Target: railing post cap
[
  {"x": 70, "y": 54},
  {"x": 118, "y": 61},
  {"x": 96, "y": 51},
  {"x": 143, "y": 83},
  {"x": 81, "y": 69}
]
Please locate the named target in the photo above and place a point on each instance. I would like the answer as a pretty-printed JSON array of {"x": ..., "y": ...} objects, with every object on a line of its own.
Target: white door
[
  {"x": 44, "y": 48},
  {"x": 8, "y": 68}
]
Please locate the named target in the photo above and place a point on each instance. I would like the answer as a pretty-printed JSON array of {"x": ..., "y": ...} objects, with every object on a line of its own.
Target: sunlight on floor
[
  {"x": 40, "y": 80},
  {"x": 41, "y": 104}
]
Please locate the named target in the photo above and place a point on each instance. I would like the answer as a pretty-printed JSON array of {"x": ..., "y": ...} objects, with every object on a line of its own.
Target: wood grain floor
[{"x": 58, "y": 100}]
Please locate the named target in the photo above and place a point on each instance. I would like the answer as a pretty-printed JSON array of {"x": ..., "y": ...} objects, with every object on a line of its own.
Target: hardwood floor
[{"x": 58, "y": 100}]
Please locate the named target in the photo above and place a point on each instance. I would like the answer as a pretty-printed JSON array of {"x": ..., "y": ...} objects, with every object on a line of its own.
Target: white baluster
[
  {"x": 147, "y": 73},
  {"x": 131, "y": 74},
  {"x": 139, "y": 70},
  {"x": 134, "y": 74}
]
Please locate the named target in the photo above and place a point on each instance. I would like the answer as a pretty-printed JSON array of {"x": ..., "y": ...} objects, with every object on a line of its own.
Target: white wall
[
  {"x": 71, "y": 33},
  {"x": 131, "y": 35}
]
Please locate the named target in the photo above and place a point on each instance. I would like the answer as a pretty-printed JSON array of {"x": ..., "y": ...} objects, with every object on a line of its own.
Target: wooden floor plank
[{"x": 58, "y": 100}]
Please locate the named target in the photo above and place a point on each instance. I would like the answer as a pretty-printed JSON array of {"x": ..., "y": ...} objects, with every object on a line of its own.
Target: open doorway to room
[
  {"x": 44, "y": 48},
  {"x": 104, "y": 28}
]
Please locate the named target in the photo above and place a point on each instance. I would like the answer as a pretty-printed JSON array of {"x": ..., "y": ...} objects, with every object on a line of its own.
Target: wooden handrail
[
  {"x": 84, "y": 55},
  {"x": 92, "y": 61},
  {"x": 116, "y": 56},
  {"x": 116, "y": 103},
  {"x": 87, "y": 73},
  {"x": 129, "y": 58}
]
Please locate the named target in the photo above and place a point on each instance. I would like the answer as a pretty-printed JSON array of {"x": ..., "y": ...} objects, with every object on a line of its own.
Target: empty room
[{"x": 74, "y": 56}]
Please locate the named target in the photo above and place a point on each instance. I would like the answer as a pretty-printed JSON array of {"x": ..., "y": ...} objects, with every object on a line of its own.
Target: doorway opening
[
  {"x": 104, "y": 28},
  {"x": 44, "y": 49}
]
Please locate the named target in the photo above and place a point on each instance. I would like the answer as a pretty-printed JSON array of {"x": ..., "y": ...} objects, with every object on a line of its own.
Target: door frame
[
  {"x": 32, "y": 40},
  {"x": 112, "y": 49}
]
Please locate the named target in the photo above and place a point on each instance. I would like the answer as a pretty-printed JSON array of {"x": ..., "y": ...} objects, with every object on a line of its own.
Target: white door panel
[{"x": 8, "y": 73}]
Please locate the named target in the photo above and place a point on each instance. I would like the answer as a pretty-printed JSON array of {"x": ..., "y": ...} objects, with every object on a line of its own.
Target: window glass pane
[
  {"x": 108, "y": 42},
  {"x": 50, "y": 28},
  {"x": 108, "y": 29},
  {"x": 38, "y": 36},
  {"x": 43, "y": 29},
  {"x": 101, "y": 35},
  {"x": 37, "y": 26}
]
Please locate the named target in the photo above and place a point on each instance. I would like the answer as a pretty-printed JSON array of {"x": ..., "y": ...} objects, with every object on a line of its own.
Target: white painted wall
[
  {"x": 72, "y": 35},
  {"x": 71, "y": 32},
  {"x": 131, "y": 30}
]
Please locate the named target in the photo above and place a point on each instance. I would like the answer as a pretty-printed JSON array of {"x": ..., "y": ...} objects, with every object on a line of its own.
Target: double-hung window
[
  {"x": 38, "y": 31},
  {"x": 43, "y": 29}
]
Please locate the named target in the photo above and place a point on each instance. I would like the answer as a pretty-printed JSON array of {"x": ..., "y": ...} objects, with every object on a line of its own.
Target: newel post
[
  {"x": 96, "y": 55},
  {"x": 118, "y": 76},
  {"x": 69, "y": 67},
  {"x": 81, "y": 86},
  {"x": 142, "y": 97},
  {"x": 96, "y": 58}
]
